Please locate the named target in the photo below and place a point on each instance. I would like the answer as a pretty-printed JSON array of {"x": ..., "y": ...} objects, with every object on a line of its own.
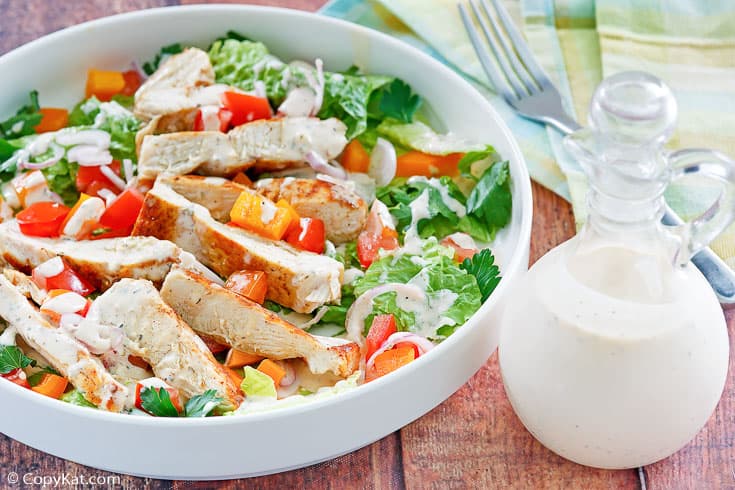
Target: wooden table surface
[{"x": 473, "y": 439}]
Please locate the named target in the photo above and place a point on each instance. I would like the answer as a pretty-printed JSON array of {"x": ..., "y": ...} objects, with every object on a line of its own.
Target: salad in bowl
[{"x": 223, "y": 232}]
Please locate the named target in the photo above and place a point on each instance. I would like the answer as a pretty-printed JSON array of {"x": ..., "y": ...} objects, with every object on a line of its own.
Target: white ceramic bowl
[{"x": 223, "y": 447}]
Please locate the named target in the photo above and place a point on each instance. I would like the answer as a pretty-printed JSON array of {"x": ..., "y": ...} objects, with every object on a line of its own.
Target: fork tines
[{"x": 520, "y": 75}]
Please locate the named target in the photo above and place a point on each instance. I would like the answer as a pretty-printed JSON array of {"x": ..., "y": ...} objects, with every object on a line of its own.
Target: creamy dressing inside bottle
[{"x": 612, "y": 354}]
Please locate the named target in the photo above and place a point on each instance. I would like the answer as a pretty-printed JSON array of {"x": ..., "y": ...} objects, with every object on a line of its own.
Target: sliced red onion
[
  {"x": 10, "y": 196},
  {"x": 50, "y": 268},
  {"x": 65, "y": 303},
  {"x": 319, "y": 315},
  {"x": 89, "y": 156},
  {"x": 383, "y": 162},
  {"x": 52, "y": 160},
  {"x": 128, "y": 169},
  {"x": 318, "y": 163},
  {"x": 136, "y": 67},
  {"x": 363, "y": 306},
  {"x": 113, "y": 177},
  {"x": 424, "y": 345},
  {"x": 319, "y": 89},
  {"x": 107, "y": 195},
  {"x": 92, "y": 137},
  {"x": 290, "y": 375}
]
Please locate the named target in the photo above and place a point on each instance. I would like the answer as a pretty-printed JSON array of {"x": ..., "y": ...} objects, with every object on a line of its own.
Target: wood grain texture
[{"x": 472, "y": 440}]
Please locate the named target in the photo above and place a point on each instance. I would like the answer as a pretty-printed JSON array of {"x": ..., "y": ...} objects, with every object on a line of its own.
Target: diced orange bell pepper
[
  {"x": 237, "y": 358},
  {"x": 251, "y": 284},
  {"x": 258, "y": 214},
  {"x": 104, "y": 84},
  {"x": 355, "y": 158},
  {"x": 418, "y": 163},
  {"x": 52, "y": 119},
  {"x": 51, "y": 385},
  {"x": 388, "y": 361},
  {"x": 273, "y": 370}
]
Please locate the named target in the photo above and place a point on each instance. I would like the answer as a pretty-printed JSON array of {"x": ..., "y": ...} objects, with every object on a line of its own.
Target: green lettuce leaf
[
  {"x": 76, "y": 398},
  {"x": 24, "y": 121},
  {"x": 469, "y": 165},
  {"x": 257, "y": 384},
  {"x": 61, "y": 178},
  {"x": 418, "y": 136},
  {"x": 7, "y": 172},
  {"x": 350, "y": 96},
  {"x": 116, "y": 120},
  {"x": 435, "y": 271}
]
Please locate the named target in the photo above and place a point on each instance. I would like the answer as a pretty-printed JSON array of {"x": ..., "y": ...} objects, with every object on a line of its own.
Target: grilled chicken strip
[
  {"x": 344, "y": 213},
  {"x": 154, "y": 332},
  {"x": 275, "y": 144},
  {"x": 299, "y": 280},
  {"x": 100, "y": 261},
  {"x": 66, "y": 354},
  {"x": 216, "y": 194},
  {"x": 184, "y": 153},
  {"x": 269, "y": 144},
  {"x": 236, "y": 321},
  {"x": 171, "y": 87}
]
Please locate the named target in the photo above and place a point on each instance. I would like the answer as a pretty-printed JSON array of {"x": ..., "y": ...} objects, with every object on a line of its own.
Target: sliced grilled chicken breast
[
  {"x": 344, "y": 213},
  {"x": 216, "y": 194},
  {"x": 275, "y": 144},
  {"x": 236, "y": 321},
  {"x": 154, "y": 332},
  {"x": 169, "y": 89},
  {"x": 99, "y": 261},
  {"x": 299, "y": 280},
  {"x": 66, "y": 354},
  {"x": 271, "y": 144},
  {"x": 183, "y": 153}
]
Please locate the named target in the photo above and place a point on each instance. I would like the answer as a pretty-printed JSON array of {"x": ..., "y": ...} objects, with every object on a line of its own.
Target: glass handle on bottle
[{"x": 699, "y": 232}]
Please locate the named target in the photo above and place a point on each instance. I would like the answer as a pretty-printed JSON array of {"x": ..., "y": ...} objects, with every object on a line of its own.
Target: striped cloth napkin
[{"x": 690, "y": 44}]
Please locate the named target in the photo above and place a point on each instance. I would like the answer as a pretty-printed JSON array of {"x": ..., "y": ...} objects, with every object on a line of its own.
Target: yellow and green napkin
[{"x": 690, "y": 44}]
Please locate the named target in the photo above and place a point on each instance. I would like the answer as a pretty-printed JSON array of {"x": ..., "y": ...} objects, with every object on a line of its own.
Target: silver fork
[{"x": 524, "y": 86}]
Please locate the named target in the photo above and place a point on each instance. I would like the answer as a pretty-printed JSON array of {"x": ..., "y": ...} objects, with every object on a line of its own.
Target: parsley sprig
[
  {"x": 157, "y": 402},
  {"x": 482, "y": 266},
  {"x": 12, "y": 358}
]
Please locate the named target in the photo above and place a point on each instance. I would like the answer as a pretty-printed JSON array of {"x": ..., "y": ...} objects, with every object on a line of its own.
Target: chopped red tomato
[
  {"x": 246, "y": 108},
  {"x": 251, "y": 284},
  {"x": 133, "y": 81},
  {"x": 17, "y": 376},
  {"x": 91, "y": 179},
  {"x": 173, "y": 394},
  {"x": 67, "y": 279},
  {"x": 369, "y": 244},
  {"x": 42, "y": 219},
  {"x": 307, "y": 234},
  {"x": 383, "y": 326},
  {"x": 123, "y": 211}
]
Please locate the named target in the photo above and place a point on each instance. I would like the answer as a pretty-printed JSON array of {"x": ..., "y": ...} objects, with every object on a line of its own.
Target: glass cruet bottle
[{"x": 613, "y": 347}]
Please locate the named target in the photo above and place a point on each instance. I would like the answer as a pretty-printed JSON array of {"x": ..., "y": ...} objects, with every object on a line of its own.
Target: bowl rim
[{"x": 520, "y": 173}]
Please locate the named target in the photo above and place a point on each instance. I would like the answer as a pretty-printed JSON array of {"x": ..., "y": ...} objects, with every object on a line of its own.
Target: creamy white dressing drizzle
[
  {"x": 8, "y": 336},
  {"x": 457, "y": 207},
  {"x": 267, "y": 211}
]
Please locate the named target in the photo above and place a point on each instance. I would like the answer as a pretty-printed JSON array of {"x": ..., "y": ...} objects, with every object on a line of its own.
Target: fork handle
[
  {"x": 720, "y": 276},
  {"x": 563, "y": 123}
]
